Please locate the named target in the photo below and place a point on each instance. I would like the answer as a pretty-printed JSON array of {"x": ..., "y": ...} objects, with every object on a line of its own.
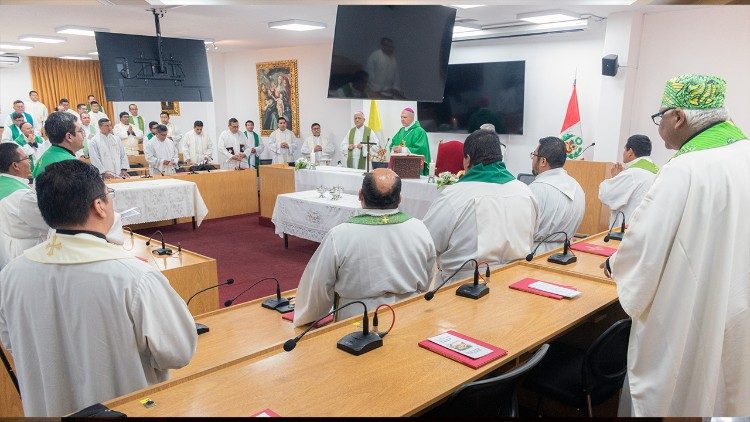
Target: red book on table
[
  {"x": 289, "y": 316},
  {"x": 266, "y": 413},
  {"x": 523, "y": 285},
  {"x": 458, "y": 357},
  {"x": 593, "y": 249}
]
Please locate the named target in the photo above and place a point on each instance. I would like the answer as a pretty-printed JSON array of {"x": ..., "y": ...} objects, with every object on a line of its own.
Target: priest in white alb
[
  {"x": 197, "y": 147},
  {"x": 85, "y": 320},
  {"x": 560, "y": 199},
  {"x": 281, "y": 143},
  {"x": 682, "y": 269},
  {"x": 161, "y": 154},
  {"x": 352, "y": 151},
  {"x": 107, "y": 153},
  {"x": 379, "y": 257},
  {"x": 317, "y": 147},
  {"x": 129, "y": 134},
  {"x": 232, "y": 144},
  {"x": 488, "y": 215}
]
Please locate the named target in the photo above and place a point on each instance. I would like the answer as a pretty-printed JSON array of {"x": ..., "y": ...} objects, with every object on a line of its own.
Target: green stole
[
  {"x": 140, "y": 122},
  {"x": 715, "y": 136},
  {"x": 365, "y": 138},
  {"x": 644, "y": 164},
  {"x": 488, "y": 173},
  {"x": 415, "y": 138},
  {"x": 9, "y": 185},
  {"x": 256, "y": 140},
  {"x": 149, "y": 136},
  {"x": 15, "y": 131},
  {"x": 21, "y": 141},
  {"x": 379, "y": 220},
  {"x": 54, "y": 154}
]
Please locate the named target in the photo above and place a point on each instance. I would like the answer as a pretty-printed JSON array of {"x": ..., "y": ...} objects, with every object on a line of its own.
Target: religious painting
[
  {"x": 171, "y": 107},
  {"x": 278, "y": 95}
]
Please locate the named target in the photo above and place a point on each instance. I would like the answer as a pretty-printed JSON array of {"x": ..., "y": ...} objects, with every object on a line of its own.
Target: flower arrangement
[
  {"x": 446, "y": 178},
  {"x": 301, "y": 163}
]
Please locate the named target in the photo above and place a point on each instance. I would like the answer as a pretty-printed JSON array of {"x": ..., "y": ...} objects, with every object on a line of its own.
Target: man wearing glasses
[
  {"x": 66, "y": 136},
  {"x": 85, "y": 320},
  {"x": 682, "y": 270}
]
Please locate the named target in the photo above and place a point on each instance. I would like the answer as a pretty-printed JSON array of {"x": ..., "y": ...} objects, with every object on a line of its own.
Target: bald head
[{"x": 381, "y": 189}]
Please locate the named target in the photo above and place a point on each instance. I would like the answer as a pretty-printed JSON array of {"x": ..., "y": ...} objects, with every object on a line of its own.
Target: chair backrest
[
  {"x": 605, "y": 362},
  {"x": 526, "y": 178},
  {"x": 264, "y": 162},
  {"x": 450, "y": 157},
  {"x": 492, "y": 397}
]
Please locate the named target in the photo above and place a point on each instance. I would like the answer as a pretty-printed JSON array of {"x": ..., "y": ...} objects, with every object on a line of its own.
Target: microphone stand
[
  {"x": 202, "y": 328},
  {"x": 563, "y": 258},
  {"x": 472, "y": 290},
  {"x": 278, "y": 303},
  {"x": 160, "y": 251},
  {"x": 616, "y": 235}
]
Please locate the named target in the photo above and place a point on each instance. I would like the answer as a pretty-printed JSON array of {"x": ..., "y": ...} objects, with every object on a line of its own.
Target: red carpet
[{"x": 244, "y": 251}]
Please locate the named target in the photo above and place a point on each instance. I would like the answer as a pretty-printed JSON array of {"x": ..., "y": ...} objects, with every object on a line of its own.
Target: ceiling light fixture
[
  {"x": 297, "y": 25},
  {"x": 41, "y": 39},
  {"x": 79, "y": 30},
  {"x": 460, "y": 27},
  {"x": 466, "y": 6},
  {"x": 508, "y": 31},
  {"x": 548, "y": 16},
  {"x": 15, "y": 46},
  {"x": 73, "y": 57}
]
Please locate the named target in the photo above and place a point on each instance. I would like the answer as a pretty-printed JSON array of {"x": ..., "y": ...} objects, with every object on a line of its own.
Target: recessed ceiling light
[
  {"x": 15, "y": 46},
  {"x": 94, "y": 53},
  {"x": 467, "y": 6},
  {"x": 71, "y": 57},
  {"x": 79, "y": 30},
  {"x": 297, "y": 25},
  {"x": 1, "y": 53},
  {"x": 41, "y": 39},
  {"x": 208, "y": 41},
  {"x": 548, "y": 16},
  {"x": 460, "y": 27}
]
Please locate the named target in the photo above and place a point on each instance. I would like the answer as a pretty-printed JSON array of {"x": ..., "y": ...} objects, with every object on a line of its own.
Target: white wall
[{"x": 15, "y": 84}]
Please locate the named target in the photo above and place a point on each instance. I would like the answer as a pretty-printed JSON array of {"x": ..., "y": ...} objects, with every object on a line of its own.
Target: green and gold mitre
[{"x": 694, "y": 92}]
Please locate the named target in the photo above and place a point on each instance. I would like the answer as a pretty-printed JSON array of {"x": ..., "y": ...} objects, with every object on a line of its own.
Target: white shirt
[
  {"x": 359, "y": 133},
  {"x": 38, "y": 112},
  {"x": 197, "y": 148},
  {"x": 485, "y": 221},
  {"x": 130, "y": 141},
  {"x": 561, "y": 204},
  {"x": 281, "y": 155},
  {"x": 157, "y": 152},
  {"x": 108, "y": 154},
  {"x": 682, "y": 275},
  {"x": 89, "y": 328},
  {"x": 21, "y": 223},
  {"x": 231, "y": 144},
  {"x": 309, "y": 145},
  {"x": 95, "y": 117},
  {"x": 173, "y": 133},
  {"x": 373, "y": 263},
  {"x": 624, "y": 192},
  {"x": 383, "y": 72}
]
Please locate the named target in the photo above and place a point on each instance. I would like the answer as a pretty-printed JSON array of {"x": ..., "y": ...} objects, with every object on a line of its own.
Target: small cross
[
  {"x": 385, "y": 219},
  {"x": 55, "y": 244}
]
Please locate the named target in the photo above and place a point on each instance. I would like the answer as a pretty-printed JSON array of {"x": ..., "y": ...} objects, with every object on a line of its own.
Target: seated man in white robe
[
  {"x": 381, "y": 256},
  {"x": 232, "y": 147},
  {"x": 488, "y": 215},
  {"x": 560, "y": 199},
  {"x": 161, "y": 154},
  {"x": 628, "y": 185},
  {"x": 682, "y": 268},
  {"x": 107, "y": 153},
  {"x": 85, "y": 320},
  {"x": 197, "y": 147},
  {"x": 317, "y": 148},
  {"x": 128, "y": 134},
  {"x": 281, "y": 143}
]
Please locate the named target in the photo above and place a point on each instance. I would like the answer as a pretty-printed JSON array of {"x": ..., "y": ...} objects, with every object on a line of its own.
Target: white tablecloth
[
  {"x": 416, "y": 194},
  {"x": 306, "y": 215},
  {"x": 160, "y": 199}
]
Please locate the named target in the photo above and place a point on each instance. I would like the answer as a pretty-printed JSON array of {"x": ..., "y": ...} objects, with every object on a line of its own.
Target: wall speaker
[{"x": 609, "y": 65}]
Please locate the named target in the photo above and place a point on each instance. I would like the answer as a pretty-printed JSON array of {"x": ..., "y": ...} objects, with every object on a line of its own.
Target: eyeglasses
[
  {"x": 109, "y": 191},
  {"x": 534, "y": 154},
  {"x": 22, "y": 159},
  {"x": 656, "y": 118}
]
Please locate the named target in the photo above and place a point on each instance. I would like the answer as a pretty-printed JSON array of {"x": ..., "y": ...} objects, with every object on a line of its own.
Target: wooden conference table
[{"x": 241, "y": 369}]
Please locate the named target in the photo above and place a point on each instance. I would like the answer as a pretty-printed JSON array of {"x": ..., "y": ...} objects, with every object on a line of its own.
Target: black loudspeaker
[{"x": 609, "y": 65}]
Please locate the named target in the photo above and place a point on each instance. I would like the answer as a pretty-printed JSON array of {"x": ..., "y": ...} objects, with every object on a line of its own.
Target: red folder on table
[
  {"x": 593, "y": 249},
  {"x": 289, "y": 316},
  {"x": 523, "y": 285},
  {"x": 266, "y": 413},
  {"x": 458, "y": 357}
]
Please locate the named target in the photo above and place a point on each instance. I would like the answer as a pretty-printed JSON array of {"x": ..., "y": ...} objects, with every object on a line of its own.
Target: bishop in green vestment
[
  {"x": 66, "y": 136},
  {"x": 412, "y": 138}
]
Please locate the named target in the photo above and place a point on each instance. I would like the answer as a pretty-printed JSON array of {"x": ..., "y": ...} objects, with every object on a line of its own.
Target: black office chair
[
  {"x": 526, "y": 178},
  {"x": 491, "y": 397},
  {"x": 583, "y": 378},
  {"x": 264, "y": 161}
]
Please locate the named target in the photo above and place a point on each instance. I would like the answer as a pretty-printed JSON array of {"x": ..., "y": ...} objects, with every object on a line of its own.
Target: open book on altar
[{"x": 407, "y": 166}]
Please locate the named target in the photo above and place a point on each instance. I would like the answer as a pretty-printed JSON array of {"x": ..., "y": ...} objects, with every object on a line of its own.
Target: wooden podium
[{"x": 589, "y": 175}]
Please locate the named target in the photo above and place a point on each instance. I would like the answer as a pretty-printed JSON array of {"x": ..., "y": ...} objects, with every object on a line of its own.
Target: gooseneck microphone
[
  {"x": 278, "y": 303},
  {"x": 356, "y": 343},
  {"x": 563, "y": 258},
  {"x": 472, "y": 290},
  {"x": 202, "y": 328},
  {"x": 616, "y": 235},
  {"x": 584, "y": 150},
  {"x": 160, "y": 251}
]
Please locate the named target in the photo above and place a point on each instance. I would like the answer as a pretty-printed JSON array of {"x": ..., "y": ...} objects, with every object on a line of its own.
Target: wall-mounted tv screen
[
  {"x": 131, "y": 72},
  {"x": 478, "y": 93},
  {"x": 391, "y": 52}
]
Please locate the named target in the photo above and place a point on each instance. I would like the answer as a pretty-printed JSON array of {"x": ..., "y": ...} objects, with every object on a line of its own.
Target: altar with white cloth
[
  {"x": 308, "y": 216},
  {"x": 416, "y": 194},
  {"x": 158, "y": 200}
]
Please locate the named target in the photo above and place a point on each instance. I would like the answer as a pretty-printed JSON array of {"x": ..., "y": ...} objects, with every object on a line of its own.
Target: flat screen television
[
  {"x": 391, "y": 52},
  {"x": 130, "y": 68},
  {"x": 478, "y": 93}
]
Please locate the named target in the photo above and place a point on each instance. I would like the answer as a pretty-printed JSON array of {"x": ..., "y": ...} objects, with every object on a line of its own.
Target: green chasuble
[
  {"x": 488, "y": 173},
  {"x": 416, "y": 140},
  {"x": 54, "y": 154},
  {"x": 9, "y": 185}
]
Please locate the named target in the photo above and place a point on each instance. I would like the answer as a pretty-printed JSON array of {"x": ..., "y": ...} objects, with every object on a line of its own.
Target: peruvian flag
[{"x": 571, "y": 128}]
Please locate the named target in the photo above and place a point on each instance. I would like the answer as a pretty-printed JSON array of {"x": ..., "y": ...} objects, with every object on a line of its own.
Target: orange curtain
[{"x": 56, "y": 78}]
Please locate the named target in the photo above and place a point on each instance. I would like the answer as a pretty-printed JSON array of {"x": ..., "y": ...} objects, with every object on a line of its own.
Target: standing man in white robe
[
  {"x": 108, "y": 154},
  {"x": 89, "y": 131},
  {"x": 560, "y": 199},
  {"x": 318, "y": 148},
  {"x": 64, "y": 105},
  {"x": 197, "y": 147},
  {"x": 20, "y": 108},
  {"x": 38, "y": 111},
  {"x": 488, "y": 215},
  {"x": 161, "y": 153},
  {"x": 232, "y": 145},
  {"x": 353, "y": 153},
  {"x": 381, "y": 256},
  {"x": 281, "y": 143},
  {"x": 682, "y": 268},
  {"x": 96, "y": 112},
  {"x": 172, "y": 132},
  {"x": 628, "y": 185},
  {"x": 255, "y": 144},
  {"x": 84, "y": 320},
  {"x": 128, "y": 134},
  {"x": 137, "y": 120}
]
